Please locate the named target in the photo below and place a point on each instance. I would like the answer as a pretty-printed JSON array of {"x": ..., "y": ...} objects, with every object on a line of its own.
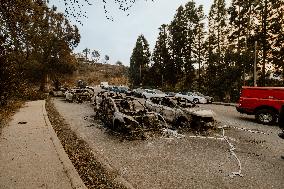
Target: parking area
[{"x": 190, "y": 161}]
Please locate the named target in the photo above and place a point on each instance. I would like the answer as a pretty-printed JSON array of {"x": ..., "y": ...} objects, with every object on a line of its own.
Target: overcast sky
[{"x": 117, "y": 38}]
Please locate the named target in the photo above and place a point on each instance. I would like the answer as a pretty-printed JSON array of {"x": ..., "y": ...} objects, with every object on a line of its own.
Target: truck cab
[{"x": 263, "y": 102}]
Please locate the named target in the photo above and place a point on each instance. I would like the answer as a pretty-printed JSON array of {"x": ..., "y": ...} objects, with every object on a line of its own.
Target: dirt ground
[{"x": 188, "y": 162}]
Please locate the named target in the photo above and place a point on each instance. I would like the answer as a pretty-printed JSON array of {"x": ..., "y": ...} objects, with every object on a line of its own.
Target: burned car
[
  {"x": 128, "y": 116},
  {"x": 78, "y": 95},
  {"x": 181, "y": 114},
  {"x": 97, "y": 99}
]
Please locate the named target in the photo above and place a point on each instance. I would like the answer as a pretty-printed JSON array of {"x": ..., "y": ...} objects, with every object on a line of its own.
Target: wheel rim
[{"x": 265, "y": 117}]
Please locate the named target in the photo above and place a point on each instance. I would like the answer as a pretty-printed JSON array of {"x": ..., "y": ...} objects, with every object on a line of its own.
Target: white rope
[
  {"x": 249, "y": 130},
  {"x": 170, "y": 134},
  {"x": 232, "y": 148},
  {"x": 203, "y": 137}
]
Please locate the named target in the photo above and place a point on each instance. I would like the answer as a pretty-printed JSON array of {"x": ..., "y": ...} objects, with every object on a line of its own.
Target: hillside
[{"x": 94, "y": 73}]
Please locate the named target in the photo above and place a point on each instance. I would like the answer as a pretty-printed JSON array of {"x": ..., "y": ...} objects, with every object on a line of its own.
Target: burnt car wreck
[
  {"x": 127, "y": 116},
  {"x": 182, "y": 115}
]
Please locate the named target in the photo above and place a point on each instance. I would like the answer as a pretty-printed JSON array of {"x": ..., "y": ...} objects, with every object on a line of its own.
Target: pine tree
[
  {"x": 178, "y": 36},
  {"x": 184, "y": 28},
  {"x": 258, "y": 21},
  {"x": 194, "y": 46},
  {"x": 216, "y": 47},
  {"x": 139, "y": 61},
  {"x": 199, "y": 46},
  {"x": 163, "y": 66}
]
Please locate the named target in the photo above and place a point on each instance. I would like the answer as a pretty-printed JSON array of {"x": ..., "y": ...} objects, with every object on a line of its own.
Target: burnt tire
[
  {"x": 266, "y": 116},
  {"x": 117, "y": 126},
  {"x": 181, "y": 122}
]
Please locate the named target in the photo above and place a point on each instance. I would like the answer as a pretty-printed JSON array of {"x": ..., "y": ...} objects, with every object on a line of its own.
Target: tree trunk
[{"x": 44, "y": 85}]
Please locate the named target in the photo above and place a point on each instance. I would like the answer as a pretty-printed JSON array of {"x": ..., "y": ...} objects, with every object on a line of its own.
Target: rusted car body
[
  {"x": 127, "y": 115},
  {"x": 78, "y": 95},
  {"x": 181, "y": 115}
]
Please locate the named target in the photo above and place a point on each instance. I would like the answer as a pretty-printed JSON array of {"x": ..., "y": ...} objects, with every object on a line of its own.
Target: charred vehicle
[
  {"x": 78, "y": 95},
  {"x": 97, "y": 99},
  {"x": 128, "y": 116},
  {"x": 181, "y": 114}
]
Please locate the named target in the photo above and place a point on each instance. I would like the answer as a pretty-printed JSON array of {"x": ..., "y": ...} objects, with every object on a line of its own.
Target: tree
[
  {"x": 106, "y": 58},
  {"x": 119, "y": 63},
  {"x": 186, "y": 34},
  {"x": 216, "y": 45},
  {"x": 95, "y": 55},
  {"x": 178, "y": 37},
  {"x": 258, "y": 21},
  {"x": 139, "y": 61},
  {"x": 194, "y": 16},
  {"x": 163, "y": 66},
  {"x": 199, "y": 49},
  {"x": 38, "y": 40},
  {"x": 86, "y": 51}
]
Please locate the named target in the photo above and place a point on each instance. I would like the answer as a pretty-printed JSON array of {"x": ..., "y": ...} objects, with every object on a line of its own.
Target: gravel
[{"x": 161, "y": 162}]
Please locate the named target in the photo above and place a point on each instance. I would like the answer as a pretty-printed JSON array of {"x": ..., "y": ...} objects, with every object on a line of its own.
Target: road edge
[
  {"x": 225, "y": 104},
  {"x": 75, "y": 180}
]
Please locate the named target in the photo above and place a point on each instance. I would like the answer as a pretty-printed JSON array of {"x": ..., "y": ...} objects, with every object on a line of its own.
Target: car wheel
[
  {"x": 195, "y": 101},
  {"x": 265, "y": 116}
]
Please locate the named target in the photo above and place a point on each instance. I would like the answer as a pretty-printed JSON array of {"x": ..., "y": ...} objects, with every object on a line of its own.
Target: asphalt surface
[{"x": 189, "y": 162}]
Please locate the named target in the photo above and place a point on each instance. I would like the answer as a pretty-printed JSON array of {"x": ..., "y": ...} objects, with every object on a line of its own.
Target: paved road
[
  {"x": 228, "y": 115},
  {"x": 187, "y": 162}
]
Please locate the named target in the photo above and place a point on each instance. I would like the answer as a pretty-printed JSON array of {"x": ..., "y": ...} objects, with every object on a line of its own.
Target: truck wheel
[{"x": 265, "y": 116}]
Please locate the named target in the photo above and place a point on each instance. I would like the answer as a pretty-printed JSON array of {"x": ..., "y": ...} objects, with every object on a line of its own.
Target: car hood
[{"x": 200, "y": 112}]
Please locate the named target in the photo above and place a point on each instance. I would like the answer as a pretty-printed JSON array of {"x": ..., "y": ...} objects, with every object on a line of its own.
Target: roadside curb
[
  {"x": 75, "y": 180},
  {"x": 224, "y": 104}
]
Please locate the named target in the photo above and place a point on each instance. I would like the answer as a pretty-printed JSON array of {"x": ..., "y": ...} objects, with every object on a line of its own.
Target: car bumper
[{"x": 203, "y": 101}]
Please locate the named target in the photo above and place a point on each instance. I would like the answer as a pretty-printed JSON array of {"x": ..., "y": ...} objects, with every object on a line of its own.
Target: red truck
[{"x": 263, "y": 102}]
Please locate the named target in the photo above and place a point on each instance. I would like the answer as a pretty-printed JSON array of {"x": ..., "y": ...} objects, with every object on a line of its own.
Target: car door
[
  {"x": 167, "y": 111},
  {"x": 190, "y": 96}
]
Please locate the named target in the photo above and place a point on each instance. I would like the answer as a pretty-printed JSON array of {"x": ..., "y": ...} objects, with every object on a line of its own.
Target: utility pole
[
  {"x": 247, "y": 37},
  {"x": 264, "y": 41},
  {"x": 254, "y": 66}
]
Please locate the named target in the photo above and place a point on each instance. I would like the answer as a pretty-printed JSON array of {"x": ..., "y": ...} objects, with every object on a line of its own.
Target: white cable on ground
[
  {"x": 249, "y": 130},
  {"x": 169, "y": 134},
  {"x": 232, "y": 148},
  {"x": 204, "y": 137}
]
